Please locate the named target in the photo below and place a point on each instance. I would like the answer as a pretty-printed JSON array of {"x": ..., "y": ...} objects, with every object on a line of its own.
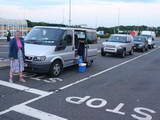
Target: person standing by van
[
  {"x": 16, "y": 55},
  {"x": 81, "y": 48}
]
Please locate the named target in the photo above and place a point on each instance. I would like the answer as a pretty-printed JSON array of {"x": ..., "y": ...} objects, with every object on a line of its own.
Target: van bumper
[{"x": 38, "y": 67}]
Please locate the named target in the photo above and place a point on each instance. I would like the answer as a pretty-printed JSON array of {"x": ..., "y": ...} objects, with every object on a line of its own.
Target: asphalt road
[
  {"x": 4, "y": 51},
  {"x": 113, "y": 88}
]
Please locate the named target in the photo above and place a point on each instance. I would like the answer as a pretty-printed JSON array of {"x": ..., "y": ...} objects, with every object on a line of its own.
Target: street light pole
[
  {"x": 118, "y": 18},
  {"x": 70, "y": 10}
]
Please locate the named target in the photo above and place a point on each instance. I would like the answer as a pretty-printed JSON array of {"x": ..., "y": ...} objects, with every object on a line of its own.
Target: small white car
[{"x": 119, "y": 44}]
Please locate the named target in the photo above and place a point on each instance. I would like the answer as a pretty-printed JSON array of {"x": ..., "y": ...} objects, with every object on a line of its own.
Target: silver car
[{"x": 118, "y": 44}]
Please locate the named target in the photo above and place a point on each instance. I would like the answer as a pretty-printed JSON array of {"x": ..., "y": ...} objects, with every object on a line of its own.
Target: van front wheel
[{"x": 56, "y": 69}]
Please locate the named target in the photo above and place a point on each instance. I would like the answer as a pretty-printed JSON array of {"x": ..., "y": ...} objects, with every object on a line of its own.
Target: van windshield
[
  {"x": 44, "y": 36},
  {"x": 148, "y": 36},
  {"x": 121, "y": 39}
]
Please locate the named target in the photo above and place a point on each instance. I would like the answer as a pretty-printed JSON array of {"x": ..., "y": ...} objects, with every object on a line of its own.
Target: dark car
[{"x": 140, "y": 43}]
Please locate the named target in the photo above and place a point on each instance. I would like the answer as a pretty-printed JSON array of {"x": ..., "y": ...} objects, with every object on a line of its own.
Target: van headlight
[{"x": 39, "y": 58}]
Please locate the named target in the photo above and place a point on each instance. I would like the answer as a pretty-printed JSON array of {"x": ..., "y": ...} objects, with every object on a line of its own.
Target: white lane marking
[
  {"x": 32, "y": 75},
  {"x": 36, "y": 113},
  {"x": 47, "y": 81},
  {"x": 23, "y": 88},
  {"x": 41, "y": 77},
  {"x": 35, "y": 78},
  {"x": 27, "y": 102},
  {"x": 29, "y": 74},
  {"x": 67, "y": 86},
  {"x": 106, "y": 70},
  {"x": 55, "y": 79}
]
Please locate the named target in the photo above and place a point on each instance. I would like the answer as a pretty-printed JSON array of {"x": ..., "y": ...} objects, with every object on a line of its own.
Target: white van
[
  {"x": 151, "y": 33},
  {"x": 50, "y": 49}
]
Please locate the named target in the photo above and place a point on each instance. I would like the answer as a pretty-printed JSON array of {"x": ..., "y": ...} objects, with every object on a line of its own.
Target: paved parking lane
[
  {"x": 113, "y": 88},
  {"x": 130, "y": 92},
  {"x": 10, "y": 97}
]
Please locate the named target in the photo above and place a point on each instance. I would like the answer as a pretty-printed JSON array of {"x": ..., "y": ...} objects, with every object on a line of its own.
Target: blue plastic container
[{"x": 82, "y": 67}]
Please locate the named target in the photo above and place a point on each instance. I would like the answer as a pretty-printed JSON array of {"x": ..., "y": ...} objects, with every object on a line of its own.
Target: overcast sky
[{"x": 91, "y": 12}]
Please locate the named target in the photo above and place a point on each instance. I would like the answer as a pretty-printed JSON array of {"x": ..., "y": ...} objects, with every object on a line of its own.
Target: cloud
[
  {"x": 34, "y": 3},
  {"x": 28, "y": 3},
  {"x": 91, "y": 12}
]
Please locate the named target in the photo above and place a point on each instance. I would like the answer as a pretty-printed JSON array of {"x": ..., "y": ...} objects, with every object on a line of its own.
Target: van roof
[{"x": 67, "y": 28}]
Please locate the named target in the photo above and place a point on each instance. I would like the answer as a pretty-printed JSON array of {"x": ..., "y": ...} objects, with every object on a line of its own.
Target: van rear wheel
[{"x": 56, "y": 69}]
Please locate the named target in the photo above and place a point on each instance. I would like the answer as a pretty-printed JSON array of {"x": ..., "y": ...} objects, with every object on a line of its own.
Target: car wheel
[
  {"x": 143, "y": 49},
  {"x": 56, "y": 69},
  {"x": 131, "y": 52},
  {"x": 150, "y": 47},
  {"x": 123, "y": 54}
]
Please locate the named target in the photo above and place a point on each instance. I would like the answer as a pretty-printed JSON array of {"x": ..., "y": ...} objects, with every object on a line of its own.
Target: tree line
[{"x": 107, "y": 30}]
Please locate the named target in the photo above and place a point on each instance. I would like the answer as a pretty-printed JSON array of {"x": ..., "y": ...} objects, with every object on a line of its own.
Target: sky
[{"x": 91, "y": 13}]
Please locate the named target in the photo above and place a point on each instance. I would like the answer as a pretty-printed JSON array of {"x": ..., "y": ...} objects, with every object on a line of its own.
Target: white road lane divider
[
  {"x": 23, "y": 109},
  {"x": 23, "y": 88}
]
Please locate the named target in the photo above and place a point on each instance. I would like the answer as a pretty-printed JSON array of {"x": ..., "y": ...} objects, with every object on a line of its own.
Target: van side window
[
  {"x": 91, "y": 38},
  {"x": 79, "y": 35},
  {"x": 68, "y": 38}
]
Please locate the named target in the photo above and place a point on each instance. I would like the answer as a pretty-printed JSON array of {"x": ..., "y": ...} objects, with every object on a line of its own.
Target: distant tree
[{"x": 32, "y": 24}]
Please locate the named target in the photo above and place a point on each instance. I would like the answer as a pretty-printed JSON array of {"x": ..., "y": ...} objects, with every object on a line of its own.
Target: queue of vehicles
[{"x": 51, "y": 49}]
